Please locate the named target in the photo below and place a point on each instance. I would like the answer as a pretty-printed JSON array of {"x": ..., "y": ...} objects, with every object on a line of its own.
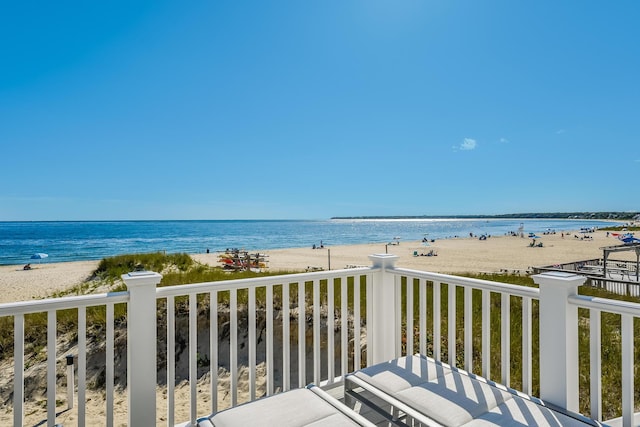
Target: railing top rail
[
  {"x": 604, "y": 304},
  {"x": 257, "y": 282},
  {"x": 38, "y": 306},
  {"x": 517, "y": 290}
]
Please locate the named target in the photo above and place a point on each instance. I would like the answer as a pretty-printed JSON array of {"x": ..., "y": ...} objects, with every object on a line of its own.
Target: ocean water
[{"x": 93, "y": 240}]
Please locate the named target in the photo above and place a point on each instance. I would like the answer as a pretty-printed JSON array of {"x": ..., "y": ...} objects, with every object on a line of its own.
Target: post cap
[
  {"x": 559, "y": 278},
  {"x": 383, "y": 260},
  {"x": 141, "y": 278}
]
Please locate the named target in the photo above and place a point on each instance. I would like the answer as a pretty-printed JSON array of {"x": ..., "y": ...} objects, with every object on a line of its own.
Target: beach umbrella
[
  {"x": 39, "y": 256},
  {"x": 630, "y": 240}
]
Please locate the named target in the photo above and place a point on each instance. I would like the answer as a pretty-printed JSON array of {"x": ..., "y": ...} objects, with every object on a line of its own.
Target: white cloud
[
  {"x": 560, "y": 132},
  {"x": 504, "y": 140},
  {"x": 468, "y": 144}
]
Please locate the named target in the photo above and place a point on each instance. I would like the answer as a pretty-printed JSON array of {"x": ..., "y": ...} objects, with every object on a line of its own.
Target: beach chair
[
  {"x": 416, "y": 390},
  {"x": 309, "y": 406}
]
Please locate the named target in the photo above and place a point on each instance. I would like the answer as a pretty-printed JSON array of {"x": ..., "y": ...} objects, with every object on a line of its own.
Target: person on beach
[{"x": 27, "y": 267}]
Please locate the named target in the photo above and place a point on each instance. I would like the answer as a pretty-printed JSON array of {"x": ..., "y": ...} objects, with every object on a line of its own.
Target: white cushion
[
  {"x": 400, "y": 374},
  {"x": 300, "y": 407},
  {"x": 522, "y": 412},
  {"x": 453, "y": 397}
]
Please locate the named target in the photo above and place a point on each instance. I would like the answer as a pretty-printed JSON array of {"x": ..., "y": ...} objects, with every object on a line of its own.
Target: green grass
[{"x": 620, "y": 228}]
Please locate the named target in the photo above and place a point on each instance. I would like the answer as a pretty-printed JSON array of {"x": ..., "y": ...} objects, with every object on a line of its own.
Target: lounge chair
[
  {"x": 409, "y": 391},
  {"x": 416, "y": 390},
  {"x": 309, "y": 406}
]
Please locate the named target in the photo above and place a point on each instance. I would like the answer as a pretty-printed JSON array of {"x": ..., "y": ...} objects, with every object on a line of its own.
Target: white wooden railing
[
  {"x": 434, "y": 283},
  {"x": 310, "y": 328},
  {"x": 322, "y": 369},
  {"x": 51, "y": 307}
]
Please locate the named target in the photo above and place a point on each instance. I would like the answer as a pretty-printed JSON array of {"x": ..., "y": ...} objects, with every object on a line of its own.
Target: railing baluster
[
  {"x": 356, "y": 323},
  {"x": 437, "y": 341},
  {"x": 213, "y": 349},
  {"x": 627, "y": 371},
  {"x": 233, "y": 346},
  {"x": 344, "y": 328},
  {"x": 110, "y": 365},
  {"x": 451, "y": 323},
  {"x": 316, "y": 332},
  {"x": 252, "y": 342},
  {"x": 505, "y": 338},
  {"x": 423, "y": 316},
  {"x": 193, "y": 357},
  {"x": 330, "y": 331},
  {"x": 18, "y": 370},
  {"x": 302, "y": 362},
  {"x": 82, "y": 366},
  {"x": 286, "y": 339},
  {"x": 486, "y": 333},
  {"x": 595, "y": 341},
  {"x": 409, "y": 349},
  {"x": 51, "y": 367},
  {"x": 468, "y": 329},
  {"x": 369, "y": 308},
  {"x": 527, "y": 371},
  {"x": 270, "y": 367},
  {"x": 397, "y": 287},
  {"x": 171, "y": 360}
]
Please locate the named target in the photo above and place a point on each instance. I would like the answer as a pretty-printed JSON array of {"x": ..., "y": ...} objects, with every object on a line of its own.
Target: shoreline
[{"x": 453, "y": 255}]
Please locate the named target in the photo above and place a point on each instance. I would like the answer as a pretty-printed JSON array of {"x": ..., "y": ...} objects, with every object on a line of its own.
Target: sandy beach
[
  {"x": 457, "y": 255},
  {"x": 43, "y": 280}
]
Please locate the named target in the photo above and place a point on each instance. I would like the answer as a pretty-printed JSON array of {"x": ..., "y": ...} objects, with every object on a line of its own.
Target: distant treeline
[{"x": 623, "y": 216}]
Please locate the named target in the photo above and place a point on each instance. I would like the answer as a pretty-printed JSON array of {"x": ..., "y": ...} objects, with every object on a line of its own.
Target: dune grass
[{"x": 621, "y": 228}]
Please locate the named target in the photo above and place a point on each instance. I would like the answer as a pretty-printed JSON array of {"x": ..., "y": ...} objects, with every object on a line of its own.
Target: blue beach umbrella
[
  {"x": 630, "y": 240},
  {"x": 39, "y": 256}
]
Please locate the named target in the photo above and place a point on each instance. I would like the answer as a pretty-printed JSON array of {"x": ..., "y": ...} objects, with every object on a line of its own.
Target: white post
[
  {"x": 559, "y": 338},
  {"x": 381, "y": 321},
  {"x": 141, "y": 346}
]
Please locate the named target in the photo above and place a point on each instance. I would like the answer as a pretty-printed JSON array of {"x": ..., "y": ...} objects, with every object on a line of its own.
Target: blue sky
[{"x": 312, "y": 109}]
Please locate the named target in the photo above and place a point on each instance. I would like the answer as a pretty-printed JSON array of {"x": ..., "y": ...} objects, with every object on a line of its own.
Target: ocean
[{"x": 93, "y": 240}]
